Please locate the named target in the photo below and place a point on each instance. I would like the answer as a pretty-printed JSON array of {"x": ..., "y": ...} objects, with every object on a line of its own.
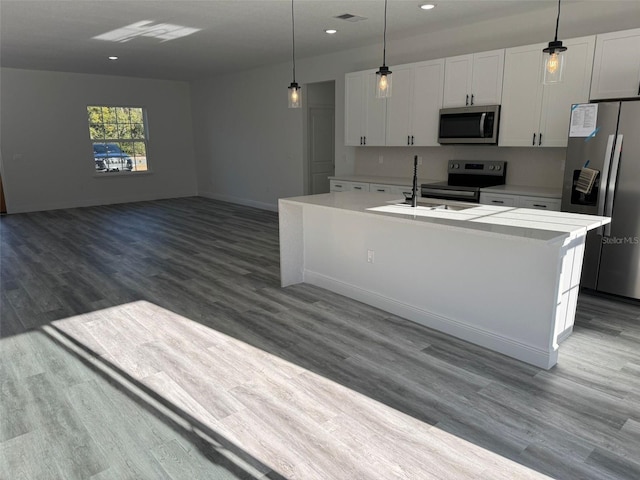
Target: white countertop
[
  {"x": 521, "y": 223},
  {"x": 548, "y": 192}
]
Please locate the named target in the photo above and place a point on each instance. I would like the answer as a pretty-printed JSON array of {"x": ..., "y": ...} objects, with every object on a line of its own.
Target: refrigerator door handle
[
  {"x": 604, "y": 176},
  {"x": 611, "y": 187}
]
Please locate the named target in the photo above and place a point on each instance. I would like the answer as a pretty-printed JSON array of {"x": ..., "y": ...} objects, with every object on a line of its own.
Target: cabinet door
[
  {"x": 498, "y": 199},
  {"x": 428, "y": 83},
  {"x": 358, "y": 187},
  {"x": 540, "y": 203},
  {"x": 521, "y": 96},
  {"x": 399, "y": 108},
  {"x": 574, "y": 88},
  {"x": 616, "y": 66},
  {"x": 375, "y": 113},
  {"x": 339, "y": 186},
  {"x": 486, "y": 85},
  {"x": 457, "y": 81},
  {"x": 354, "y": 108}
]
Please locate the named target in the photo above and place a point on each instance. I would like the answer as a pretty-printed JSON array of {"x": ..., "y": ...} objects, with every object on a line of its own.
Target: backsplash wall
[{"x": 536, "y": 167}]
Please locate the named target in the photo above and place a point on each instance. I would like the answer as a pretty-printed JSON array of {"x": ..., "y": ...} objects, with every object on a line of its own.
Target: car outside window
[{"x": 119, "y": 138}]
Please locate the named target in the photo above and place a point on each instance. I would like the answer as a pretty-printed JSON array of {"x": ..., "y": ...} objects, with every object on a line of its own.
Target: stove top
[{"x": 466, "y": 178}]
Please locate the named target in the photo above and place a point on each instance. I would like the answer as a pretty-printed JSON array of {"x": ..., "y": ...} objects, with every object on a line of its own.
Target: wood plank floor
[{"x": 152, "y": 341}]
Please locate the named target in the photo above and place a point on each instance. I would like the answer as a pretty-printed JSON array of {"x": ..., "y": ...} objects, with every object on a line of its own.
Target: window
[{"x": 119, "y": 138}]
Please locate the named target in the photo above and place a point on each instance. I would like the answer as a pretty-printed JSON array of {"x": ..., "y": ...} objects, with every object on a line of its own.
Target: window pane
[
  {"x": 110, "y": 131},
  {"x": 123, "y": 114},
  {"x": 140, "y": 156},
  {"x": 137, "y": 130}
]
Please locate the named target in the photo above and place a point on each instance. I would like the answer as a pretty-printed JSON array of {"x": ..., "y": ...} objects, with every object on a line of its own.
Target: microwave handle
[{"x": 482, "y": 118}]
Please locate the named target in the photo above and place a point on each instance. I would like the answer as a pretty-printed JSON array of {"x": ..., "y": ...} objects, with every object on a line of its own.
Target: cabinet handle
[
  {"x": 408, "y": 140},
  {"x": 381, "y": 189},
  {"x": 466, "y": 102},
  {"x": 472, "y": 95},
  {"x": 339, "y": 186},
  {"x": 638, "y": 88},
  {"x": 540, "y": 140},
  {"x": 497, "y": 201},
  {"x": 539, "y": 205},
  {"x": 411, "y": 139},
  {"x": 533, "y": 142},
  {"x": 360, "y": 140},
  {"x": 365, "y": 140},
  {"x": 357, "y": 188}
]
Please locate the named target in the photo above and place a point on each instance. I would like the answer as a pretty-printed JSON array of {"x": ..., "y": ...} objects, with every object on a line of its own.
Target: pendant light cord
[
  {"x": 557, "y": 22},
  {"x": 293, "y": 37},
  {"x": 384, "y": 36}
]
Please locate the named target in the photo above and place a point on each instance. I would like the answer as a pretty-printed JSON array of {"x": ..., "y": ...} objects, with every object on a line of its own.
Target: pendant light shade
[
  {"x": 554, "y": 58},
  {"x": 295, "y": 90},
  {"x": 383, "y": 75}
]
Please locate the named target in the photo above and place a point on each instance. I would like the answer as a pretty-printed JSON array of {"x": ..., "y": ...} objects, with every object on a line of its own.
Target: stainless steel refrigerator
[{"x": 604, "y": 147}]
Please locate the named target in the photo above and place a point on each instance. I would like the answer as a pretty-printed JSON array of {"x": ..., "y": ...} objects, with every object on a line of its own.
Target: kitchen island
[{"x": 503, "y": 278}]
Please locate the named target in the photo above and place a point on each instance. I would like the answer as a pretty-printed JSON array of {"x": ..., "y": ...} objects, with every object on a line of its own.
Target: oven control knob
[
  {"x": 498, "y": 167},
  {"x": 456, "y": 165},
  {"x": 491, "y": 167}
]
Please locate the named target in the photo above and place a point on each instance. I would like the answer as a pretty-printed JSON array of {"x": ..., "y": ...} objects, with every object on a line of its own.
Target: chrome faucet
[{"x": 414, "y": 190}]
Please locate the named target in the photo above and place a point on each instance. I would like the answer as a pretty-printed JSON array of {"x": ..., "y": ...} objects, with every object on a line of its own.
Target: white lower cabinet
[
  {"x": 340, "y": 186},
  {"x": 520, "y": 201},
  {"x": 394, "y": 189}
]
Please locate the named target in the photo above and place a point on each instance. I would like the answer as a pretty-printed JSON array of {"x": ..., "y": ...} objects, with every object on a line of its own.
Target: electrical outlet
[
  {"x": 370, "y": 256},
  {"x": 419, "y": 160},
  {"x": 380, "y": 159}
]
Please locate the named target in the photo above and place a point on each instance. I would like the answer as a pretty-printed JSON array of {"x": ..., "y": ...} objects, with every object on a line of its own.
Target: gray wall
[{"x": 47, "y": 157}]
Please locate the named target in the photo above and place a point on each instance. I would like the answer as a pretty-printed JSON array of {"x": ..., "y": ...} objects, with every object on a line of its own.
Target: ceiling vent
[{"x": 350, "y": 18}]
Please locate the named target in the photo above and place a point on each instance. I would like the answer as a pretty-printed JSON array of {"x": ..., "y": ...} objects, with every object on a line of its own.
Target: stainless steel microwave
[{"x": 477, "y": 124}]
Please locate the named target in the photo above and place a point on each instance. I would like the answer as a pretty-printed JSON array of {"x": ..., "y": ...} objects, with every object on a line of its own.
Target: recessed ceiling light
[
  {"x": 113, "y": 58},
  {"x": 330, "y": 31},
  {"x": 427, "y": 6}
]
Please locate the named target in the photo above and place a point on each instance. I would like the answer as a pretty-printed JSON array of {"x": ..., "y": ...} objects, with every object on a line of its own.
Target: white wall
[
  {"x": 249, "y": 146},
  {"x": 47, "y": 157},
  {"x": 534, "y": 167}
]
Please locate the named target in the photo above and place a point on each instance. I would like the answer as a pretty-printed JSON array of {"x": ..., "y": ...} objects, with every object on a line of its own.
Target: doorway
[{"x": 320, "y": 119}]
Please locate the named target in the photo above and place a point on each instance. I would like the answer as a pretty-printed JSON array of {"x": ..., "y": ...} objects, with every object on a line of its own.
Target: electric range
[{"x": 465, "y": 179}]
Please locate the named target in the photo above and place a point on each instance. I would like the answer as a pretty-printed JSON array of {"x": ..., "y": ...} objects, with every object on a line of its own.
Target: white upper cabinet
[
  {"x": 474, "y": 79},
  {"x": 616, "y": 66},
  {"x": 534, "y": 114},
  {"x": 413, "y": 109},
  {"x": 365, "y": 115}
]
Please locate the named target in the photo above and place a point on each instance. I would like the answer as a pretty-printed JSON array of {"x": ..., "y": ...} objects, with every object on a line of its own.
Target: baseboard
[
  {"x": 507, "y": 346},
  {"x": 240, "y": 201},
  {"x": 93, "y": 202}
]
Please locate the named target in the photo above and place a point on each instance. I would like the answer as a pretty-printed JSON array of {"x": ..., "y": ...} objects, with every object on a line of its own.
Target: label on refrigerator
[{"x": 584, "y": 117}]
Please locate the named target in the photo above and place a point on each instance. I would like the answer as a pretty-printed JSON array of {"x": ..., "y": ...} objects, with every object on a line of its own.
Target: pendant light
[
  {"x": 383, "y": 75},
  {"x": 554, "y": 58},
  {"x": 295, "y": 91}
]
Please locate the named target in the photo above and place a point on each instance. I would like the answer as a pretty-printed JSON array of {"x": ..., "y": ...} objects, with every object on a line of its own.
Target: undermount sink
[{"x": 437, "y": 206}]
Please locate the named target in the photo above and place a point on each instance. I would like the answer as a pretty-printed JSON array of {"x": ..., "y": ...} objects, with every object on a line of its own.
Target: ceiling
[{"x": 231, "y": 35}]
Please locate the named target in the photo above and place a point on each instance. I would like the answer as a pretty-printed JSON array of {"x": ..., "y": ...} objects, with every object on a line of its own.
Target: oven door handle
[
  {"x": 482, "y": 119},
  {"x": 443, "y": 191}
]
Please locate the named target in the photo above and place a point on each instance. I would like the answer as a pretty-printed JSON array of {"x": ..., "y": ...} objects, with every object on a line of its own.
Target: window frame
[{"x": 145, "y": 140}]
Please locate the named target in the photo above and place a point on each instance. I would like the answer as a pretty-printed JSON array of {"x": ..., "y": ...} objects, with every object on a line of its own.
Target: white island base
[{"x": 503, "y": 278}]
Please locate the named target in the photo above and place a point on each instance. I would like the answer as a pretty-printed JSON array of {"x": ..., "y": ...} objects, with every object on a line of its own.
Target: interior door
[{"x": 321, "y": 148}]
